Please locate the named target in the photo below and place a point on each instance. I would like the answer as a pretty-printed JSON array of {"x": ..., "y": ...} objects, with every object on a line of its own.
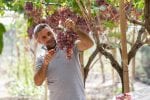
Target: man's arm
[
  {"x": 40, "y": 75},
  {"x": 85, "y": 41}
]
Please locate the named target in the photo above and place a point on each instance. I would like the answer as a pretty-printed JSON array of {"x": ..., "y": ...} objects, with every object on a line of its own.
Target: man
[{"x": 64, "y": 76}]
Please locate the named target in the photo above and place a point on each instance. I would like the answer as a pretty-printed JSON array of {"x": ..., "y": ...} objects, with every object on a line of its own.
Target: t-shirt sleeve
[{"x": 39, "y": 62}]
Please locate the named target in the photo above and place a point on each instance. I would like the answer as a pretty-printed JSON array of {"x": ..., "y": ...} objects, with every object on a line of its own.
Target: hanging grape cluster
[
  {"x": 28, "y": 6},
  {"x": 62, "y": 14},
  {"x": 66, "y": 40},
  {"x": 100, "y": 2},
  {"x": 108, "y": 11},
  {"x": 33, "y": 12},
  {"x": 82, "y": 25},
  {"x": 35, "y": 16}
]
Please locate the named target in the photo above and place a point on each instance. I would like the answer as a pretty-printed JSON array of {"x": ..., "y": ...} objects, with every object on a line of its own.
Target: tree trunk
[
  {"x": 81, "y": 57},
  {"x": 133, "y": 74},
  {"x": 123, "y": 23},
  {"x": 113, "y": 70},
  {"x": 133, "y": 64},
  {"x": 102, "y": 68},
  {"x": 46, "y": 90},
  {"x": 86, "y": 68},
  {"x": 147, "y": 15}
]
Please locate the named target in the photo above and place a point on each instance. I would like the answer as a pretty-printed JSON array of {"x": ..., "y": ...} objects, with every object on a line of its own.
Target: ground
[{"x": 95, "y": 89}]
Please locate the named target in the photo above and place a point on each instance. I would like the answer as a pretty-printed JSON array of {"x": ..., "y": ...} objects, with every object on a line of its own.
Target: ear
[{"x": 38, "y": 40}]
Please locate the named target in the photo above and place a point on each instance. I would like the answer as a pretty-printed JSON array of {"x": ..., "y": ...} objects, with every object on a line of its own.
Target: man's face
[{"x": 47, "y": 38}]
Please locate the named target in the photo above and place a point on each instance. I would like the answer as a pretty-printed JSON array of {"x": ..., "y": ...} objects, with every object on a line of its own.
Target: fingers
[
  {"x": 49, "y": 56},
  {"x": 69, "y": 23},
  {"x": 51, "y": 52}
]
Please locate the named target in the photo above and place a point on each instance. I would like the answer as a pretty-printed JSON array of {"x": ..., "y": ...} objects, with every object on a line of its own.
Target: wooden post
[
  {"x": 147, "y": 15},
  {"x": 81, "y": 57},
  {"x": 123, "y": 27},
  {"x": 46, "y": 90}
]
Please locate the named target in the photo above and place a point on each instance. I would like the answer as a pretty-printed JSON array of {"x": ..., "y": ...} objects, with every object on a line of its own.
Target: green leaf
[
  {"x": 94, "y": 10},
  {"x": 139, "y": 4},
  {"x": 47, "y": 1},
  {"x": 115, "y": 45},
  {"x": 2, "y": 30},
  {"x": 64, "y": 4},
  {"x": 109, "y": 24},
  {"x": 2, "y": 12},
  {"x": 74, "y": 6},
  {"x": 115, "y": 34},
  {"x": 1, "y": 44}
]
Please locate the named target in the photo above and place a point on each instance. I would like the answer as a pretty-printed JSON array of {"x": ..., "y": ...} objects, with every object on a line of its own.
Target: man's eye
[
  {"x": 48, "y": 33},
  {"x": 43, "y": 37}
]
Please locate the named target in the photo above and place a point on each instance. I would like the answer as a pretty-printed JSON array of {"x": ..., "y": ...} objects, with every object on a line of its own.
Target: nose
[{"x": 49, "y": 37}]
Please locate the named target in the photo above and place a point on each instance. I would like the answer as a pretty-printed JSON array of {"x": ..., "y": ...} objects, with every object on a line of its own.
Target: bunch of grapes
[
  {"x": 28, "y": 6},
  {"x": 100, "y": 2},
  {"x": 60, "y": 14},
  {"x": 108, "y": 12},
  {"x": 82, "y": 24},
  {"x": 66, "y": 40},
  {"x": 66, "y": 13},
  {"x": 33, "y": 12},
  {"x": 60, "y": 40},
  {"x": 53, "y": 20},
  {"x": 63, "y": 14}
]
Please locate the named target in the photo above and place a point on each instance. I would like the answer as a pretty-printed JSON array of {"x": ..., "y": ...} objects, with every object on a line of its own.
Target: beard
[{"x": 51, "y": 45}]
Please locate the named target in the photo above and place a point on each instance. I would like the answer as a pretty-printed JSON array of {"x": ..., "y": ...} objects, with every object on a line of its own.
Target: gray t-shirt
[{"x": 64, "y": 76}]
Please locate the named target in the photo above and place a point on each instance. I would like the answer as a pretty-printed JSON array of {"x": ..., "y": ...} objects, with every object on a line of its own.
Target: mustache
[{"x": 49, "y": 41}]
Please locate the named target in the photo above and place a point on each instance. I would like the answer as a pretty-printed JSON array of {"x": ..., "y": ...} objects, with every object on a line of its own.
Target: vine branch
[
  {"x": 113, "y": 62},
  {"x": 135, "y": 21},
  {"x": 136, "y": 45},
  {"x": 86, "y": 69}
]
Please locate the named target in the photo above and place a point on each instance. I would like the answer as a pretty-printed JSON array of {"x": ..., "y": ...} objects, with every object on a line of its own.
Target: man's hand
[
  {"x": 49, "y": 56},
  {"x": 70, "y": 24},
  {"x": 85, "y": 41},
  {"x": 40, "y": 75}
]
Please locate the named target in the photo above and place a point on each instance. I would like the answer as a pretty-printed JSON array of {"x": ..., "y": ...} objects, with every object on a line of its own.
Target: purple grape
[
  {"x": 28, "y": 6},
  {"x": 100, "y": 2}
]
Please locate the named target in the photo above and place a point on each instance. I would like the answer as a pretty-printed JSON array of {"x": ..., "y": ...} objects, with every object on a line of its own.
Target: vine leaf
[{"x": 2, "y": 31}]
